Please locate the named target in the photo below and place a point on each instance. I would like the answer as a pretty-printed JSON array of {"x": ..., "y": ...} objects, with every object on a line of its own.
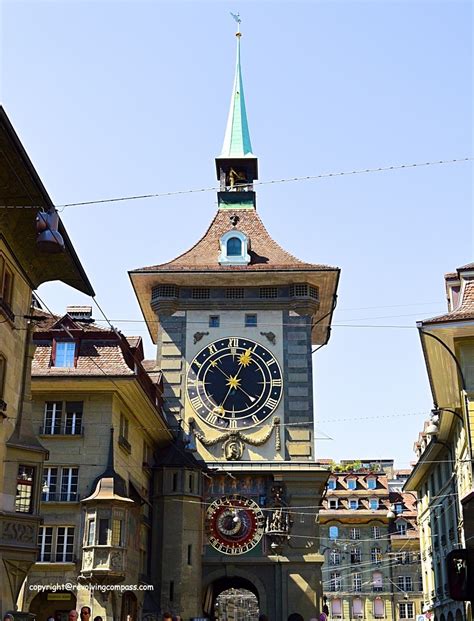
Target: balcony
[
  {"x": 60, "y": 497},
  {"x": 103, "y": 562},
  {"x": 63, "y": 431},
  {"x": 56, "y": 558},
  {"x": 377, "y": 589}
]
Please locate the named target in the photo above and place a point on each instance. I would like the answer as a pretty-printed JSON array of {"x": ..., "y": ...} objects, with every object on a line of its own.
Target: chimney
[{"x": 80, "y": 313}]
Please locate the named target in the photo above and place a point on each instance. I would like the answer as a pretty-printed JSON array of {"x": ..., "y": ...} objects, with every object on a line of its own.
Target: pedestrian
[
  {"x": 167, "y": 616},
  {"x": 8, "y": 617},
  {"x": 72, "y": 615},
  {"x": 295, "y": 616},
  {"x": 263, "y": 617},
  {"x": 85, "y": 613},
  {"x": 51, "y": 619},
  {"x": 98, "y": 619}
]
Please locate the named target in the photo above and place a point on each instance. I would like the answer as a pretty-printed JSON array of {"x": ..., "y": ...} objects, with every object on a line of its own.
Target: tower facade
[{"x": 235, "y": 319}]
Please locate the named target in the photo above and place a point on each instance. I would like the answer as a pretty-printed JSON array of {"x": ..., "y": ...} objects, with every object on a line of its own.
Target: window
[
  {"x": 73, "y": 423},
  {"x": 355, "y": 555},
  {"x": 117, "y": 532},
  {"x": 401, "y": 528},
  {"x": 190, "y": 554},
  {"x": 376, "y": 532},
  {"x": 333, "y": 503},
  {"x": 3, "y": 372},
  {"x": 24, "y": 489},
  {"x": 50, "y": 482},
  {"x": 6, "y": 283},
  {"x": 334, "y": 557},
  {"x": 234, "y": 247},
  {"x": 268, "y": 292},
  {"x": 45, "y": 544},
  {"x": 234, "y": 293},
  {"x": 377, "y": 581},
  {"x": 351, "y": 483},
  {"x": 354, "y": 533},
  {"x": 353, "y": 504},
  {"x": 52, "y": 417},
  {"x": 64, "y": 354},
  {"x": 52, "y": 422},
  {"x": 90, "y": 541},
  {"x": 336, "y": 609},
  {"x": 405, "y": 583},
  {"x": 123, "y": 427},
  {"x": 398, "y": 507},
  {"x": 190, "y": 483},
  {"x": 357, "y": 608},
  {"x": 357, "y": 583},
  {"x": 69, "y": 477},
  {"x": 304, "y": 290},
  {"x": 214, "y": 321},
  {"x": 402, "y": 558},
  {"x": 250, "y": 321},
  {"x": 56, "y": 544},
  {"x": 332, "y": 484},
  {"x": 165, "y": 291},
  {"x": 406, "y": 610},
  {"x": 374, "y": 504},
  {"x": 379, "y": 608},
  {"x": 201, "y": 293},
  {"x": 371, "y": 483},
  {"x": 335, "y": 581},
  {"x": 65, "y": 544},
  {"x": 103, "y": 532},
  {"x": 333, "y": 532},
  {"x": 376, "y": 555},
  {"x": 175, "y": 482}
]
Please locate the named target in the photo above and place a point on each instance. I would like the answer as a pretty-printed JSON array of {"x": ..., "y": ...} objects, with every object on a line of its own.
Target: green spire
[{"x": 237, "y": 136}]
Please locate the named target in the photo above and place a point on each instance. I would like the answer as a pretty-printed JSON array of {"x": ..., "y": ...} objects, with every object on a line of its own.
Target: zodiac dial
[
  {"x": 234, "y": 383},
  {"x": 234, "y": 524}
]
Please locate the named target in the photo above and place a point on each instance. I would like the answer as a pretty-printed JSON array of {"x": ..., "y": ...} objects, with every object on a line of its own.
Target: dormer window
[
  {"x": 234, "y": 248},
  {"x": 351, "y": 483},
  {"x": 64, "y": 354}
]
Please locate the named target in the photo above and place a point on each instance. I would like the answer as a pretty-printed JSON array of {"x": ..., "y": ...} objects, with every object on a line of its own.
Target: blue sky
[{"x": 123, "y": 98}]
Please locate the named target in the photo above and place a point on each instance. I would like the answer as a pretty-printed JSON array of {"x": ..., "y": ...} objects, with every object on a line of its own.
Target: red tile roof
[
  {"x": 465, "y": 310},
  {"x": 264, "y": 252}
]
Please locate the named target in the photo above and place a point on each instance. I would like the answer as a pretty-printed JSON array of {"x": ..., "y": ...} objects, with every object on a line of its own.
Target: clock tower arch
[{"x": 235, "y": 319}]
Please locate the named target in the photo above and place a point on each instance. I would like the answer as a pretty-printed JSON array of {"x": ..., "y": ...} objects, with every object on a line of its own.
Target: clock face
[
  {"x": 234, "y": 383},
  {"x": 234, "y": 524}
]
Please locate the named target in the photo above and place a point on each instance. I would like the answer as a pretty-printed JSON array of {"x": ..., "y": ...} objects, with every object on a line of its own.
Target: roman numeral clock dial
[{"x": 234, "y": 383}]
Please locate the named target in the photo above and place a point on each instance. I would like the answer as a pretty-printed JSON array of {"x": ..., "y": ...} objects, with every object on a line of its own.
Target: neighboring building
[
  {"x": 369, "y": 539},
  {"x": 235, "y": 320},
  {"x": 99, "y": 415},
  {"x": 442, "y": 476},
  {"x": 25, "y": 263}
]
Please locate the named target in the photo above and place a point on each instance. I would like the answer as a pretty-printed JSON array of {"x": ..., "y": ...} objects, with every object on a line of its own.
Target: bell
[{"x": 49, "y": 239}]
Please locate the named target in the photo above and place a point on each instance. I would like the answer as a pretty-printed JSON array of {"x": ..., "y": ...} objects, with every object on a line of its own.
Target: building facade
[
  {"x": 442, "y": 477},
  {"x": 370, "y": 543},
  {"x": 235, "y": 319},
  {"x": 27, "y": 259},
  {"x": 99, "y": 415}
]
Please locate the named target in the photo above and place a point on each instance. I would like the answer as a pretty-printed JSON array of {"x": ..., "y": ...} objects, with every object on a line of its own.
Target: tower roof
[{"x": 237, "y": 136}]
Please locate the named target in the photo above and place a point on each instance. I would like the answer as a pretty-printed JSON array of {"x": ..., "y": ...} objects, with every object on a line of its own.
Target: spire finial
[{"x": 236, "y": 16}]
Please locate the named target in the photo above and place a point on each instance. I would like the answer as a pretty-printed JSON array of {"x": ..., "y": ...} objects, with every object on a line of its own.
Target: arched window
[
  {"x": 234, "y": 247},
  {"x": 336, "y": 608},
  {"x": 379, "y": 608},
  {"x": 357, "y": 608},
  {"x": 333, "y": 532}
]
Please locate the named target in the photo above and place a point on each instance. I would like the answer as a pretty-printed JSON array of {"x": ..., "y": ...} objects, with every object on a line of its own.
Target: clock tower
[{"x": 235, "y": 319}]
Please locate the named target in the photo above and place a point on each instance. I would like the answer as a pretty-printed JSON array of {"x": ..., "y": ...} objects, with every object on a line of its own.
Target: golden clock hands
[{"x": 252, "y": 399}]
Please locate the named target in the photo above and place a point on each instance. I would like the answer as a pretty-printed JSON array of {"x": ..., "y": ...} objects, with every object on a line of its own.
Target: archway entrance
[
  {"x": 236, "y": 605},
  {"x": 232, "y": 598},
  {"x": 56, "y": 605}
]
